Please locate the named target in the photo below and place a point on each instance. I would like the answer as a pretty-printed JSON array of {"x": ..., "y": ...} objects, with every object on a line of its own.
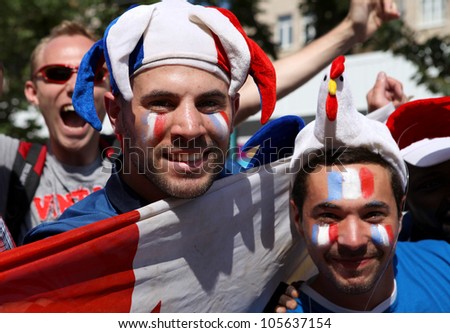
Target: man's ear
[
  {"x": 296, "y": 216},
  {"x": 235, "y": 109},
  {"x": 113, "y": 108},
  {"x": 30, "y": 92},
  {"x": 400, "y": 218}
]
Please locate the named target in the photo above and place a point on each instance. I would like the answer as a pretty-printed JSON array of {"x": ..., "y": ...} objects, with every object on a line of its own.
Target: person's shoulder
[
  {"x": 428, "y": 252},
  {"x": 9, "y": 143},
  {"x": 423, "y": 266},
  {"x": 425, "y": 245},
  {"x": 95, "y": 207}
]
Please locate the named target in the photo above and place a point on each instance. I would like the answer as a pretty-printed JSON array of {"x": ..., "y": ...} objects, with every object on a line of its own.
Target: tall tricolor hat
[
  {"x": 421, "y": 129},
  {"x": 339, "y": 124},
  {"x": 174, "y": 32}
]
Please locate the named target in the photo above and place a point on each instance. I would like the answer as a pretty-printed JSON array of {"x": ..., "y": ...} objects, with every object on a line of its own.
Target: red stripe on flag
[
  {"x": 89, "y": 269},
  {"x": 390, "y": 233},
  {"x": 333, "y": 232},
  {"x": 367, "y": 182}
]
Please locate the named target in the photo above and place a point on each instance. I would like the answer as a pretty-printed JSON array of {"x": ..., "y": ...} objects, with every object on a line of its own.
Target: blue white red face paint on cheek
[
  {"x": 155, "y": 124},
  {"x": 221, "y": 123},
  {"x": 324, "y": 234},
  {"x": 327, "y": 234},
  {"x": 382, "y": 235},
  {"x": 351, "y": 184}
]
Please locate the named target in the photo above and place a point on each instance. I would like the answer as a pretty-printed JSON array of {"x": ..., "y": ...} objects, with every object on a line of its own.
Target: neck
[
  {"x": 79, "y": 154},
  {"x": 143, "y": 186},
  {"x": 365, "y": 301}
]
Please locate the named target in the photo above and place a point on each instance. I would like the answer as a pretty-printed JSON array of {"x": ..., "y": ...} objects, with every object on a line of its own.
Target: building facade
[{"x": 290, "y": 31}]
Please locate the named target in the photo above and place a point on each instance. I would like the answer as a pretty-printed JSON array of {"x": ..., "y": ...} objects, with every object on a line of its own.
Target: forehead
[
  {"x": 65, "y": 50},
  {"x": 353, "y": 181},
  {"x": 177, "y": 78}
]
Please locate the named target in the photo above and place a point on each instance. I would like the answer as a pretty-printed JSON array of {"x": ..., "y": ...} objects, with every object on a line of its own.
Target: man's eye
[
  {"x": 328, "y": 217},
  {"x": 210, "y": 106},
  {"x": 160, "y": 106},
  {"x": 375, "y": 216}
]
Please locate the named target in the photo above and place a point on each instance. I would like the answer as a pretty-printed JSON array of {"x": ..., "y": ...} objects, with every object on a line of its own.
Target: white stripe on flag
[
  {"x": 225, "y": 251},
  {"x": 351, "y": 184}
]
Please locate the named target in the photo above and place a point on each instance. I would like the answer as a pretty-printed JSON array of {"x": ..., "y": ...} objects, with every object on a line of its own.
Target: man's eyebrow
[
  {"x": 166, "y": 93},
  {"x": 158, "y": 93},
  {"x": 214, "y": 93},
  {"x": 325, "y": 205},
  {"x": 377, "y": 204}
]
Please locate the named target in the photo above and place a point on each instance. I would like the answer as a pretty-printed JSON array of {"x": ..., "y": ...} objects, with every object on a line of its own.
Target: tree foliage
[{"x": 24, "y": 22}]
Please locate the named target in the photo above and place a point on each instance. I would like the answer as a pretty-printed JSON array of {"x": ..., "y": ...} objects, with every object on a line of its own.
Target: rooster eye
[
  {"x": 325, "y": 77},
  {"x": 341, "y": 78}
]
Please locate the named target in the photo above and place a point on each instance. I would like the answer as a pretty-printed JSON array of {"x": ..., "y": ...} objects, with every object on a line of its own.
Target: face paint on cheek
[
  {"x": 324, "y": 234},
  {"x": 221, "y": 123},
  {"x": 352, "y": 184},
  {"x": 382, "y": 235},
  {"x": 155, "y": 124}
]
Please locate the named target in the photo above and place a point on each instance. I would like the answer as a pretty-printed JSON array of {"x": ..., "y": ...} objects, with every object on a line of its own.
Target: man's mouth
[
  {"x": 70, "y": 118},
  {"x": 187, "y": 158},
  {"x": 190, "y": 160}
]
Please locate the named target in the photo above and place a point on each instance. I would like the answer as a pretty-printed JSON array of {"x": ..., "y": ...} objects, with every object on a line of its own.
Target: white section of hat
[{"x": 427, "y": 152}]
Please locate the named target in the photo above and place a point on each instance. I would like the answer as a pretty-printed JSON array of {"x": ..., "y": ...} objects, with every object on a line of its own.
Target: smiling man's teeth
[
  {"x": 68, "y": 108},
  {"x": 188, "y": 157}
]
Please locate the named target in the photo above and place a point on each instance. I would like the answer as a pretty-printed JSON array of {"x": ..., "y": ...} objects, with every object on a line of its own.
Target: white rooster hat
[
  {"x": 174, "y": 32},
  {"x": 339, "y": 124}
]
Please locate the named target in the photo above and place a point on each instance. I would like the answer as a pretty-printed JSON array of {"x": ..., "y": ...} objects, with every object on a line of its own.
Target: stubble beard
[{"x": 183, "y": 186}]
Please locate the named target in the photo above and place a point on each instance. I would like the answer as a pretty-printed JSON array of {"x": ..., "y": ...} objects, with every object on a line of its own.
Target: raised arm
[{"x": 363, "y": 19}]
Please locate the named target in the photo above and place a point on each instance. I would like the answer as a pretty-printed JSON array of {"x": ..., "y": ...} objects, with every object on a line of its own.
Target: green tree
[
  {"x": 24, "y": 22},
  {"x": 431, "y": 57}
]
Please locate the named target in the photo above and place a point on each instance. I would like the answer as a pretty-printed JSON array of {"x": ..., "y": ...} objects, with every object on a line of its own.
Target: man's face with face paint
[
  {"x": 428, "y": 200},
  {"x": 350, "y": 223},
  {"x": 176, "y": 131}
]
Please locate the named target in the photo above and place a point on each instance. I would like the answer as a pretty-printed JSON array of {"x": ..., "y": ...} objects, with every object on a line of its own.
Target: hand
[
  {"x": 287, "y": 300},
  {"x": 367, "y": 16},
  {"x": 385, "y": 90}
]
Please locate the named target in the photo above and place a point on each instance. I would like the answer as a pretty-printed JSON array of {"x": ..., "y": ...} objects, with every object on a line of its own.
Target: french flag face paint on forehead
[{"x": 351, "y": 184}]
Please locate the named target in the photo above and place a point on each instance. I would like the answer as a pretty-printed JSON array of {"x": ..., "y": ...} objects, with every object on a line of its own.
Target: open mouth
[
  {"x": 70, "y": 118},
  {"x": 352, "y": 264}
]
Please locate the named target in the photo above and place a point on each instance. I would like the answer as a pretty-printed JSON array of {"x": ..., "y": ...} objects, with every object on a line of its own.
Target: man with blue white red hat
[
  {"x": 421, "y": 128},
  {"x": 175, "y": 71},
  {"x": 347, "y": 201}
]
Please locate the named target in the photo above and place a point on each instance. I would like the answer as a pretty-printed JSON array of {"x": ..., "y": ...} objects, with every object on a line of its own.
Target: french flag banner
[{"x": 225, "y": 251}]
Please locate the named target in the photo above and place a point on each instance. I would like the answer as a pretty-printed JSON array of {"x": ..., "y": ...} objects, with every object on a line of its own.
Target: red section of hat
[
  {"x": 421, "y": 119},
  {"x": 337, "y": 67},
  {"x": 222, "y": 58}
]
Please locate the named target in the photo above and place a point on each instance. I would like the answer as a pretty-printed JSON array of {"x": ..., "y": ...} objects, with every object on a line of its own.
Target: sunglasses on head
[{"x": 62, "y": 73}]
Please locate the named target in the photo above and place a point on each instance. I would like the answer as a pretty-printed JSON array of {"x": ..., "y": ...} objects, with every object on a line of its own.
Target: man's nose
[
  {"x": 188, "y": 122},
  {"x": 70, "y": 84},
  {"x": 353, "y": 233}
]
